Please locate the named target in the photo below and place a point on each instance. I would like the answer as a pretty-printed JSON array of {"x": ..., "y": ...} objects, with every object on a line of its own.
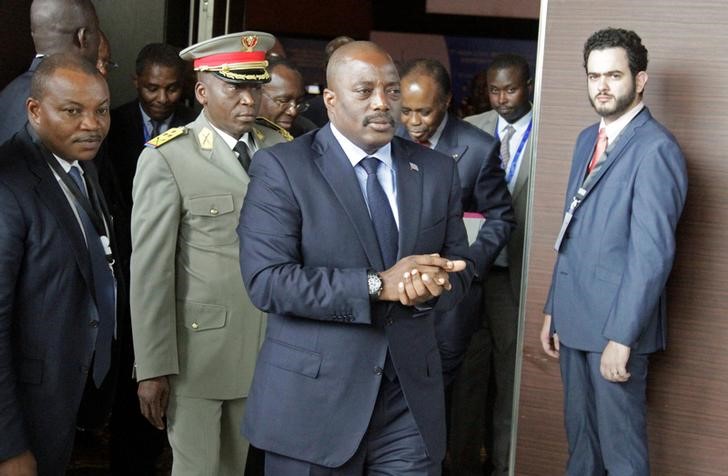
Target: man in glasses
[{"x": 281, "y": 101}]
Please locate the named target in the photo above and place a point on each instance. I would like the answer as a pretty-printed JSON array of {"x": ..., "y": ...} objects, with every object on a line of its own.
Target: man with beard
[
  {"x": 196, "y": 333},
  {"x": 349, "y": 238},
  {"x": 606, "y": 309},
  {"x": 58, "y": 286}
]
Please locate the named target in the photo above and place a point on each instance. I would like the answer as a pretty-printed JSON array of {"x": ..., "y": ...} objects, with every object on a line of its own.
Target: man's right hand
[
  {"x": 21, "y": 465},
  {"x": 418, "y": 278},
  {"x": 153, "y": 396},
  {"x": 550, "y": 343}
]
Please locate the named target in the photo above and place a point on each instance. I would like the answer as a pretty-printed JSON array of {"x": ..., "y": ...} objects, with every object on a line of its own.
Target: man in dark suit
[
  {"x": 426, "y": 96},
  {"x": 58, "y": 290},
  {"x": 159, "y": 81},
  {"x": 57, "y": 26},
  {"x": 606, "y": 310},
  {"x": 349, "y": 237}
]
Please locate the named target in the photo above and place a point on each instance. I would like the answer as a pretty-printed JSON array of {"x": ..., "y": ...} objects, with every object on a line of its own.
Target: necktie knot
[
  {"x": 370, "y": 164},
  {"x": 156, "y": 127},
  {"x": 509, "y": 131},
  {"x": 75, "y": 174},
  {"x": 243, "y": 155},
  {"x": 599, "y": 149}
]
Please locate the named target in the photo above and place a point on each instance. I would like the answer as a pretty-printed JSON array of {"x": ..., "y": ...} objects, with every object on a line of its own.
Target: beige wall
[{"x": 688, "y": 384}]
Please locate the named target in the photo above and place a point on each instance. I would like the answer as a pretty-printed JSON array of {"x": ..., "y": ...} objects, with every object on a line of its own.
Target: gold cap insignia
[{"x": 249, "y": 42}]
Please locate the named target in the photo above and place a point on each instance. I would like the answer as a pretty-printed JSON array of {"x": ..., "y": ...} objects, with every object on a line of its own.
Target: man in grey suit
[
  {"x": 196, "y": 333},
  {"x": 350, "y": 237},
  {"x": 606, "y": 309},
  {"x": 57, "y": 26},
  {"x": 483, "y": 393}
]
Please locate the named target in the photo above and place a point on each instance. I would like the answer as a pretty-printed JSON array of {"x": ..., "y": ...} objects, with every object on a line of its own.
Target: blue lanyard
[{"x": 519, "y": 151}]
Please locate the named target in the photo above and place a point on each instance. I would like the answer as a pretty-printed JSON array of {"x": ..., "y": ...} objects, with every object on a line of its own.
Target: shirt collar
[
  {"x": 355, "y": 154},
  {"x": 616, "y": 126},
  {"x": 435, "y": 138},
  {"x": 230, "y": 141},
  {"x": 519, "y": 125},
  {"x": 148, "y": 120},
  {"x": 67, "y": 165}
]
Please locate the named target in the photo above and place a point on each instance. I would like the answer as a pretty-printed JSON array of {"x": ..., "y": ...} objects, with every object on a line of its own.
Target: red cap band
[{"x": 214, "y": 61}]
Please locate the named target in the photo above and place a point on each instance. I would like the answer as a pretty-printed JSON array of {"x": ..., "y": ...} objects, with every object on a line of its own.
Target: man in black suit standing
[
  {"x": 159, "y": 82},
  {"x": 57, "y": 26},
  {"x": 426, "y": 96},
  {"x": 58, "y": 282}
]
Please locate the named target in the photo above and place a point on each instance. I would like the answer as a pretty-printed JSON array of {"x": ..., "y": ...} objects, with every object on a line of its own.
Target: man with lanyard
[
  {"x": 426, "y": 96},
  {"x": 606, "y": 310},
  {"x": 486, "y": 386},
  {"x": 58, "y": 290}
]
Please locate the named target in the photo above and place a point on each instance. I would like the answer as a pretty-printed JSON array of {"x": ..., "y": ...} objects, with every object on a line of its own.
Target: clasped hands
[{"x": 418, "y": 278}]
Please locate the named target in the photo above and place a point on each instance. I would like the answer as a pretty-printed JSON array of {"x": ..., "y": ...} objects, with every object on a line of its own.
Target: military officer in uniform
[{"x": 196, "y": 334}]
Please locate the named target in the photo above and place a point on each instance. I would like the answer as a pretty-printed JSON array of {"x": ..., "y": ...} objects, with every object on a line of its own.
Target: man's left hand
[{"x": 614, "y": 362}]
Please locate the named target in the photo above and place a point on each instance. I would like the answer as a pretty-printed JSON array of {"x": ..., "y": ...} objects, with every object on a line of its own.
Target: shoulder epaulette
[
  {"x": 262, "y": 121},
  {"x": 166, "y": 136}
]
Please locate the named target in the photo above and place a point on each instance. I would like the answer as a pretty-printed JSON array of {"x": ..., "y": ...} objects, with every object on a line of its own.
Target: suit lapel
[
  {"x": 409, "y": 195},
  {"x": 340, "y": 176},
  {"x": 524, "y": 169},
  {"x": 51, "y": 195},
  {"x": 448, "y": 143},
  {"x": 613, "y": 154}
]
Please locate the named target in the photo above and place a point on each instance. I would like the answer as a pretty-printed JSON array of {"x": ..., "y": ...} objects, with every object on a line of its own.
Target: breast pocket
[{"x": 210, "y": 220}]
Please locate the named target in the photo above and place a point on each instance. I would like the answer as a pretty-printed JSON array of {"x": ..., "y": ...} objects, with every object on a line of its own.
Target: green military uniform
[{"x": 191, "y": 317}]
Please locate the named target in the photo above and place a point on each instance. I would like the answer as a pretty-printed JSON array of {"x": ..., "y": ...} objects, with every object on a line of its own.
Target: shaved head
[{"x": 60, "y": 26}]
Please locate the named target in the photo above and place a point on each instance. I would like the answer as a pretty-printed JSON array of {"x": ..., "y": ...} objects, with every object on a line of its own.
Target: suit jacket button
[
  {"x": 389, "y": 321},
  {"x": 83, "y": 369},
  {"x": 214, "y": 211},
  {"x": 93, "y": 324},
  {"x": 195, "y": 325},
  {"x": 378, "y": 371}
]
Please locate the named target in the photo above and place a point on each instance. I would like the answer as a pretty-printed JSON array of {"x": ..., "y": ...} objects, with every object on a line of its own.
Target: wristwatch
[{"x": 374, "y": 282}]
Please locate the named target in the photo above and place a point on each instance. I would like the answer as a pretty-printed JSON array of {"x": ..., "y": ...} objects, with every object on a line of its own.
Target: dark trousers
[
  {"x": 605, "y": 421},
  {"x": 482, "y": 394},
  {"x": 392, "y": 445}
]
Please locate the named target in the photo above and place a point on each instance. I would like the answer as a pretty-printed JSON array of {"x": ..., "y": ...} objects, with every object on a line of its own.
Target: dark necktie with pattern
[
  {"x": 382, "y": 217},
  {"x": 104, "y": 288}
]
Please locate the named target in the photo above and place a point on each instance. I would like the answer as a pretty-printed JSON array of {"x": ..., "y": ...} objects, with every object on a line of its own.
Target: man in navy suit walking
[
  {"x": 606, "y": 310},
  {"x": 349, "y": 238}
]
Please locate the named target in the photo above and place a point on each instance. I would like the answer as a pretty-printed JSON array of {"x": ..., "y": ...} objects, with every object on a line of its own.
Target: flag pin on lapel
[{"x": 414, "y": 167}]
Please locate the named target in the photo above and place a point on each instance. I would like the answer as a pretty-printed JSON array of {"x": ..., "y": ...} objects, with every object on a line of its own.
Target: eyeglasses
[{"x": 283, "y": 103}]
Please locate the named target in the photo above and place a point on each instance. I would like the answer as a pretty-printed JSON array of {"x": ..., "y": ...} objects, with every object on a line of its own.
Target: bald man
[
  {"x": 57, "y": 26},
  {"x": 348, "y": 259}
]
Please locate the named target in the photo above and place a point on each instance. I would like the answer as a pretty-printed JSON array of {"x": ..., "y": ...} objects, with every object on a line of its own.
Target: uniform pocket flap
[
  {"x": 295, "y": 359},
  {"x": 211, "y": 205},
  {"x": 199, "y": 316}
]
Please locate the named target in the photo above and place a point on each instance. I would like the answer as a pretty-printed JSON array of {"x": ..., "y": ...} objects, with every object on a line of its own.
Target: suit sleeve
[
  {"x": 659, "y": 196},
  {"x": 271, "y": 263},
  {"x": 455, "y": 247},
  {"x": 12, "y": 230},
  {"x": 154, "y": 228},
  {"x": 492, "y": 199}
]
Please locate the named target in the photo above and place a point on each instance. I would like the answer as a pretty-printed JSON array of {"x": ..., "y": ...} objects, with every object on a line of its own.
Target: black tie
[
  {"x": 243, "y": 156},
  {"x": 104, "y": 288},
  {"x": 381, "y": 213}
]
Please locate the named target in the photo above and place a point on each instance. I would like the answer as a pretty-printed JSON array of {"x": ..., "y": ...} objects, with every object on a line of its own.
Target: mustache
[
  {"x": 89, "y": 138},
  {"x": 378, "y": 117}
]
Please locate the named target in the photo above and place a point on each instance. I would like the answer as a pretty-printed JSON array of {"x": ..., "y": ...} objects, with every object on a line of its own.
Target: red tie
[{"x": 599, "y": 149}]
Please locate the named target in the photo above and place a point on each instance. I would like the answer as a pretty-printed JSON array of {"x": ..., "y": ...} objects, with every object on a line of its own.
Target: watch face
[{"x": 375, "y": 284}]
